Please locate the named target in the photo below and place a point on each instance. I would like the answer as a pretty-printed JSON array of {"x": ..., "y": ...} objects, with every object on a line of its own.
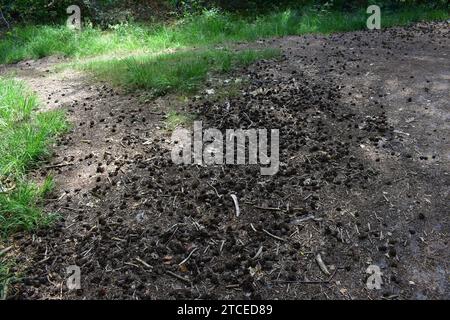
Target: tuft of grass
[
  {"x": 20, "y": 210},
  {"x": 211, "y": 27},
  {"x": 181, "y": 72},
  {"x": 175, "y": 119},
  {"x": 5, "y": 277},
  {"x": 24, "y": 133},
  {"x": 25, "y": 136},
  {"x": 228, "y": 91}
]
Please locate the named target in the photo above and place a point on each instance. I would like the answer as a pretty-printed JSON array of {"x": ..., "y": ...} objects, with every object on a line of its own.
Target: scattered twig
[
  {"x": 268, "y": 208},
  {"x": 401, "y": 132},
  {"x": 143, "y": 262},
  {"x": 307, "y": 218},
  {"x": 187, "y": 258},
  {"x": 215, "y": 190},
  {"x": 279, "y": 209},
  {"x": 178, "y": 276},
  {"x": 59, "y": 165},
  {"x": 233, "y": 286},
  {"x": 236, "y": 205},
  {"x": 4, "y": 19},
  {"x": 322, "y": 265},
  {"x": 43, "y": 260},
  {"x": 258, "y": 253},
  {"x": 221, "y": 246},
  {"x": 73, "y": 209},
  {"x": 309, "y": 281},
  {"x": 5, "y": 250},
  {"x": 307, "y": 197},
  {"x": 132, "y": 264},
  {"x": 273, "y": 236}
]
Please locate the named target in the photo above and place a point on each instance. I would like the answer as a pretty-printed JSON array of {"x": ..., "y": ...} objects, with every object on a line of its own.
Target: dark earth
[{"x": 364, "y": 179}]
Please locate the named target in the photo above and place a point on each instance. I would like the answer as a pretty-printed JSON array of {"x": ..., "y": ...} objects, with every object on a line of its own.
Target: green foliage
[
  {"x": 107, "y": 12},
  {"x": 175, "y": 119},
  {"x": 20, "y": 210},
  {"x": 5, "y": 277},
  {"x": 265, "y": 6},
  {"x": 25, "y": 136},
  {"x": 101, "y": 12},
  {"x": 182, "y": 71},
  {"x": 209, "y": 28},
  {"x": 34, "y": 11}
]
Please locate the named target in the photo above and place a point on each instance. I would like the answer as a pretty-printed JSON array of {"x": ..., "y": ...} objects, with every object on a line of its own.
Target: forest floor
[{"x": 364, "y": 179}]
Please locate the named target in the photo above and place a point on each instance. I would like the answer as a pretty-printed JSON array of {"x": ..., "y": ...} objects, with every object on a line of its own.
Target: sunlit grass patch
[
  {"x": 24, "y": 133},
  {"x": 176, "y": 119},
  {"x": 181, "y": 72},
  {"x": 25, "y": 137},
  {"x": 210, "y": 28},
  {"x": 20, "y": 207}
]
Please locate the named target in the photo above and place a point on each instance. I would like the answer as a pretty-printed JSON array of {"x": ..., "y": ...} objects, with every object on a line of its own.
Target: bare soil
[{"x": 364, "y": 180}]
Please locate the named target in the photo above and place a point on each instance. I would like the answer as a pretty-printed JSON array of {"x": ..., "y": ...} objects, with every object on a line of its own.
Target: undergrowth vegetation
[
  {"x": 5, "y": 277},
  {"x": 25, "y": 136},
  {"x": 182, "y": 71},
  {"x": 209, "y": 28}
]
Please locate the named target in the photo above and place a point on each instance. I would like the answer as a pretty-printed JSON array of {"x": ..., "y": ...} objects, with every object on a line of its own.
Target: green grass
[
  {"x": 176, "y": 119},
  {"x": 181, "y": 72},
  {"x": 5, "y": 277},
  {"x": 20, "y": 210},
  {"x": 207, "y": 29},
  {"x": 25, "y": 136}
]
